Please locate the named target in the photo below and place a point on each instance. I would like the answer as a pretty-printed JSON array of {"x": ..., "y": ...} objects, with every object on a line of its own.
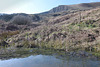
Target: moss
[{"x": 97, "y": 54}]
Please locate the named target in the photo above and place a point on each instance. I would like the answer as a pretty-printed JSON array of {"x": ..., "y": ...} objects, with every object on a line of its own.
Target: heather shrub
[
  {"x": 88, "y": 23},
  {"x": 21, "y": 20},
  {"x": 1, "y": 21},
  {"x": 7, "y": 34}
]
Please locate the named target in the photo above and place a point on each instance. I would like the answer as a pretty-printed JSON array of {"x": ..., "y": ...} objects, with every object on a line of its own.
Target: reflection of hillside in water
[
  {"x": 23, "y": 53},
  {"x": 48, "y": 61}
]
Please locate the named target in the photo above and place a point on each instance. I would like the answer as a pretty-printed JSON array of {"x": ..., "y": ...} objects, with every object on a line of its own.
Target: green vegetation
[
  {"x": 97, "y": 54},
  {"x": 88, "y": 23},
  {"x": 85, "y": 24},
  {"x": 4, "y": 36},
  {"x": 8, "y": 34},
  {"x": 57, "y": 44}
]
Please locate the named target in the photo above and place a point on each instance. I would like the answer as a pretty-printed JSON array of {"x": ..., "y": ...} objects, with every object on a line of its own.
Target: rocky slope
[{"x": 83, "y": 6}]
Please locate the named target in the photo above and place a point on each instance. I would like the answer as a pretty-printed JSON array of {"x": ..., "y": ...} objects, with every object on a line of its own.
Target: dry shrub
[
  {"x": 21, "y": 20},
  {"x": 1, "y": 21}
]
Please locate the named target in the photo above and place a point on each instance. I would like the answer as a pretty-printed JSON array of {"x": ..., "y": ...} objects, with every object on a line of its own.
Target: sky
[{"x": 35, "y": 6}]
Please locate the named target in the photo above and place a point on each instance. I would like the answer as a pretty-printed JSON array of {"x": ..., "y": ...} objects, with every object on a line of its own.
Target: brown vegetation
[
  {"x": 21, "y": 20},
  {"x": 78, "y": 30}
]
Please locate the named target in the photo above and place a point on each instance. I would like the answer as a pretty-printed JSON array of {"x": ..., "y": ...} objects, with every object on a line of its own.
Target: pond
[{"x": 47, "y": 60}]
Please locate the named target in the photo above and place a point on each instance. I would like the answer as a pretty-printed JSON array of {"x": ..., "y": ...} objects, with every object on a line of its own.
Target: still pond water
[{"x": 49, "y": 61}]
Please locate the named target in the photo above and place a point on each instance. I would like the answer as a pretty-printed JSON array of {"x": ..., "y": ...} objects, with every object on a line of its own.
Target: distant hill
[
  {"x": 57, "y": 11},
  {"x": 8, "y": 17},
  {"x": 83, "y": 6}
]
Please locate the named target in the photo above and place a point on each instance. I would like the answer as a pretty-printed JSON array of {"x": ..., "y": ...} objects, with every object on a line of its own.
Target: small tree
[{"x": 21, "y": 20}]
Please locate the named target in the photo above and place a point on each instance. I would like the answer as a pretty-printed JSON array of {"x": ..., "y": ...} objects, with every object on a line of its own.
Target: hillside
[
  {"x": 57, "y": 11},
  {"x": 83, "y": 6},
  {"x": 68, "y": 31}
]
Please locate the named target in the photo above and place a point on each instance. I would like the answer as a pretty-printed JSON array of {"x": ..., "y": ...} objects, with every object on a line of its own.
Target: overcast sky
[{"x": 35, "y": 6}]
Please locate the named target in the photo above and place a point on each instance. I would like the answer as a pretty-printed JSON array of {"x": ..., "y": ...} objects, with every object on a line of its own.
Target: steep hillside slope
[{"x": 74, "y": 31}]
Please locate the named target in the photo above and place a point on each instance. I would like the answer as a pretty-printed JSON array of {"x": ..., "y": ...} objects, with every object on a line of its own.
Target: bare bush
[
  {"x": 21, "y": 20},
  {"x": 2, "y": 22}
]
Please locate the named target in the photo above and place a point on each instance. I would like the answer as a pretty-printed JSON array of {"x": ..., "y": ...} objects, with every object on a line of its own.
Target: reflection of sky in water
[{"x": 46, "y": 61}]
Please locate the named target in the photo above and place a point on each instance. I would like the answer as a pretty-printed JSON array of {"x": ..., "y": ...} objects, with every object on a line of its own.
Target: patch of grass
[
  {"x": 54, "y": 33},
  {"x": 57, "y": 44},
  {"x": 85, "y": 24},
  {"x": 29, "y": 44},
  {"x": 97, "y": 54},
  {"x": 8, "y": 34}
]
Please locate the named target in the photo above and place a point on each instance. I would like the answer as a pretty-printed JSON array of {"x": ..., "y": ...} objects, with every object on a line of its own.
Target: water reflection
[{"x": 48, "y": 61}]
